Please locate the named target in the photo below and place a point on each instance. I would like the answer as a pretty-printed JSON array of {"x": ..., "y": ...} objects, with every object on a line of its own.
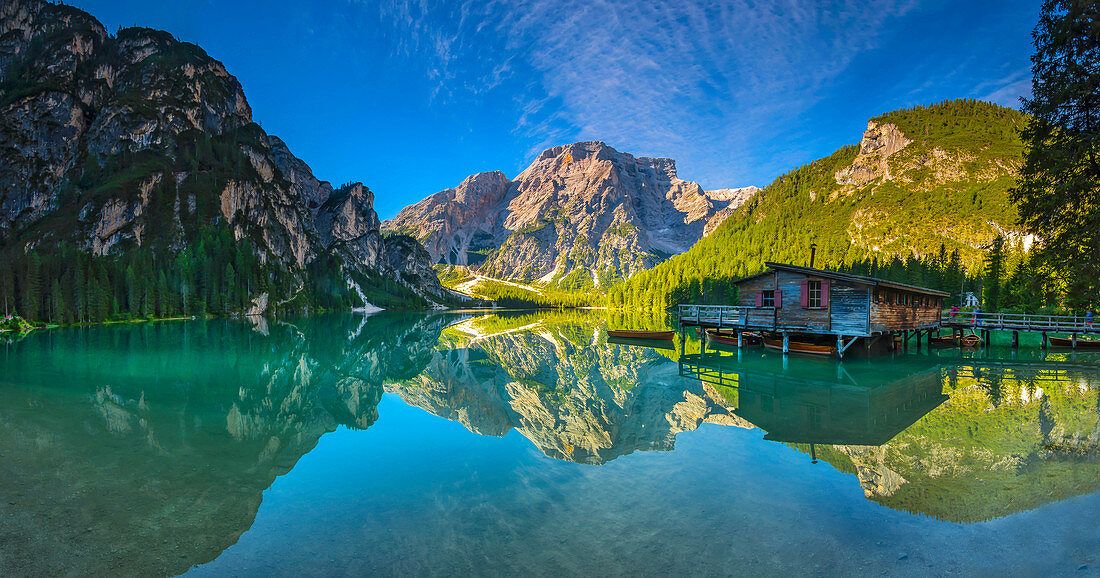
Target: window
[
  {"x": 769, "y": 298},
  {"x": 813, "y": 288}
]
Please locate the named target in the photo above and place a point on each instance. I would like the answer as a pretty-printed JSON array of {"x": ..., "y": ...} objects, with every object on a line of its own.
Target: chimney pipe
[{"x": 813, "y": 253}]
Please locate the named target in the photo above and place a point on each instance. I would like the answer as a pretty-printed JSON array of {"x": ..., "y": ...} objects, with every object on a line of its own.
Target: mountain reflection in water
[{"x": 147, "y": 449}]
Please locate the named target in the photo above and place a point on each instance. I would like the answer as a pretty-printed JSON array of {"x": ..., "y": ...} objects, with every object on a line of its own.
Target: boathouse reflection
[{"x": 1020, "y": 429}]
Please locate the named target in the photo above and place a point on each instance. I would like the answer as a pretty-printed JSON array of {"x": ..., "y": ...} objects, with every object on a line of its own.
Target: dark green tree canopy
[{"x": 1059, "y": 187}]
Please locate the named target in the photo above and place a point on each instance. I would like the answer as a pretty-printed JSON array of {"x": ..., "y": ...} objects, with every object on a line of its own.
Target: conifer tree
[
  {"x": 994, "y": 270},
  {"x": 1059, "y": 186}
]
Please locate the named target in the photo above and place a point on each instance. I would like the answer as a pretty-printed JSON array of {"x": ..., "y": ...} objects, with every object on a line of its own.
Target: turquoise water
[{"x": 444, "y": 444}]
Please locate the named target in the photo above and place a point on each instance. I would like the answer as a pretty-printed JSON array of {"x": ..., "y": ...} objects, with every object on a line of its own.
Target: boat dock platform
[{"x": 768, "y": 320}]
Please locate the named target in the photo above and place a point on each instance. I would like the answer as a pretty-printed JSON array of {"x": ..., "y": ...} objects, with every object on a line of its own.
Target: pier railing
[
  {"x": 725, "y": 315},
  {"x": 1020, "y": 322}
]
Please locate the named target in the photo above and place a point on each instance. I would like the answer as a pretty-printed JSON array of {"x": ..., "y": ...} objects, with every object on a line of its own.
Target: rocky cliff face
[
  {"x": 141, "y": 141},
  {"x": 581, "y": 214}
]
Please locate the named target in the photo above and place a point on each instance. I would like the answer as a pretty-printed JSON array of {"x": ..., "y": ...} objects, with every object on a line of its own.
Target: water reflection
[
  {"x": 147, "y": 449},
  {"x": 556, "y": 380},
  {"x": 963, "y": 437},
  {"x": 957, "y": 435}
]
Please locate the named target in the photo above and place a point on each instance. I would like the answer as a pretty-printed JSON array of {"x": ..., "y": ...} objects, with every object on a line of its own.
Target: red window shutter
[
  {"x": 805, "y": 294},
  {"x": 825, "y": 294},
  {"x": 759, "y": 298},
  {"x": 778, "y": 299}
]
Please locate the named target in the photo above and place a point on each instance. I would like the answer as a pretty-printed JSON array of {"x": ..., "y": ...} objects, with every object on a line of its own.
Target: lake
[{"x": 448, "y": 443}]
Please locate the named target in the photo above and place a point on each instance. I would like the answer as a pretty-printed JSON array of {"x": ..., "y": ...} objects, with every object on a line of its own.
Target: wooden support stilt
[
  {"x": 840, "y": 347},
  {"x": 786, "y": 344},
  {"x": 1044, "y": 344},
  {"x": 1073, "y": 340},
  {"x": 740, "y": 340},
  {"x": 1015, "y": 339}
]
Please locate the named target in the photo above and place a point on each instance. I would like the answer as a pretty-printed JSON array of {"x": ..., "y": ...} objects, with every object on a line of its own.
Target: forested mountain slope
[
  {"x": 134, "y": 182},
  {"x": 923, "y": 183}
]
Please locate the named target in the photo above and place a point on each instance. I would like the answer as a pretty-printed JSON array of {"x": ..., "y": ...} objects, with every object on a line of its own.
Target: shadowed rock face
[
  {"x": 583, "y": 206},
  {"x": 140, "y": 140},
  {"x": 160, "y": 462}
]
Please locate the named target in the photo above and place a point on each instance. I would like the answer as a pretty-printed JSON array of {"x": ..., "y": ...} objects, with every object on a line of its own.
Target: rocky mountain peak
[
  {"x": 143, "y": 141},
  {"x": 879, "y": 143},
  {"x": 582, "y": 211}
]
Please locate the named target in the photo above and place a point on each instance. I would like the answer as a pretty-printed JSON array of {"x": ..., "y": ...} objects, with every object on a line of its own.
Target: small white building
[{"x": 969, "y": 299}]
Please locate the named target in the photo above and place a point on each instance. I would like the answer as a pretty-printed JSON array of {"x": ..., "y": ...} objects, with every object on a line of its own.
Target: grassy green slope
[{"x": 947, "y": 187}]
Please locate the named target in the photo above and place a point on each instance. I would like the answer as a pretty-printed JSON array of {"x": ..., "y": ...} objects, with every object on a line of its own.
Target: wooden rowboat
[
  {"x": 970, "y": 341},
  {"x": 1081, "y": 343},
  {"x": 628, "y": 334},
  {"x": 800, "y": 347},
  {"x": 650, "y": 343},
  {"x": 747, "y": 339}
]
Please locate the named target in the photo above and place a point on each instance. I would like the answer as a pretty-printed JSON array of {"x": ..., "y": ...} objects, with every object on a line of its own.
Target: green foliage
[
  {"x": 510, "y": 296},
  {"x": 577, "y": 280},
  {"x": 451, "y": 276},
  {"x": 1059, "y": 189},
  {"x": 994, "y": 272},
  {"x": 913, "y": 219},
  {"x": 15, "y": 323}
]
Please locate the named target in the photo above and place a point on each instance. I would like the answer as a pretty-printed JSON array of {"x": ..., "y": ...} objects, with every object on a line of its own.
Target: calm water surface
[{"x": 447, "y": 444}]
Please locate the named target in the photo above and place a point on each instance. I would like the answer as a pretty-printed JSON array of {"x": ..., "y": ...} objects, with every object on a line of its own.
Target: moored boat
[
  {"x": 630, "y": 334},
  {"x": 650, "y": 343},
  {"x": 943, "y": 340},
  {"x": 748, "y": 339},
  {"x": 1081, "y": 343},
  {"x": 800, "y": 347},
  {"x": 970, "y": 341}
]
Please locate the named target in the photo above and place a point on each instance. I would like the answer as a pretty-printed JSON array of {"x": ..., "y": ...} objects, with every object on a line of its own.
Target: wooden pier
[
  {"x": 766, "y": 320},
  {"x": 984, "y": 323},
  {"x": 790, "y": 300}
]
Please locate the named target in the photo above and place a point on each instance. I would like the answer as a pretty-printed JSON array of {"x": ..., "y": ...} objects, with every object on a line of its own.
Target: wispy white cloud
[
  {"x": 697, "y": 80},
  {"x": 1007, "y": 90}
]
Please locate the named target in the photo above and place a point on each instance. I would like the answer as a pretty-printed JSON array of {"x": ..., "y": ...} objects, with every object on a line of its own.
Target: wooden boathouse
[{"x": 793, "y": 300}]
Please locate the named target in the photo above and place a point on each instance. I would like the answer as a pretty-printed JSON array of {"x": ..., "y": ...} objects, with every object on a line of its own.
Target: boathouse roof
[{"x": 845, "y": 277}]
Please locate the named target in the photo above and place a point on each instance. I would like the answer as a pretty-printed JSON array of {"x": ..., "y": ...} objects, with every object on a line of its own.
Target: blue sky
[{"x": 411, "y": 97}]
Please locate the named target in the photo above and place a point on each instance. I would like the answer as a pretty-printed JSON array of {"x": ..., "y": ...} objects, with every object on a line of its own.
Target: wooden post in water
[
  {"x": 1074, "y": 341},
  {"x": 1015, "y": 339},
  {"x": 786, "y": 343},
  {"x": 1044, "y": 343},
  {"x": 740, "y": 341}
]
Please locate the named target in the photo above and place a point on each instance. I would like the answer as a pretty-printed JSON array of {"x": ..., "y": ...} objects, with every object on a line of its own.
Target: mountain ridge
[
  {"x": 580, "y": 213},
  {"x": 117, "y": 146}
]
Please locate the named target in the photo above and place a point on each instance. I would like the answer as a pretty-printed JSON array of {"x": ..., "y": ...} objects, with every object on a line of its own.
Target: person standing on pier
[
  {"x": 1088, "y": 319},
  {"x": 977, "y": 312}
]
